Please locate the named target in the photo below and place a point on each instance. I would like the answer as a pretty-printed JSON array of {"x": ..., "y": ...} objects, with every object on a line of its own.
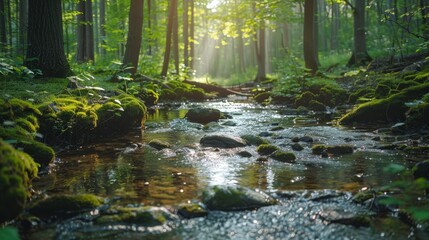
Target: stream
[{"x": 126, "y": 170}]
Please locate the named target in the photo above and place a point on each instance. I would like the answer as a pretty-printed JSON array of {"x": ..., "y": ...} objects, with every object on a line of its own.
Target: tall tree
[
  {"x": 45, "y": 39},
  {"x": 23, "y": 26},
  {"x": 261, "y": 54},
  {"x": 102, "y": 24},
  {"x": 310, "y": 56},
  {"x": 335, "y": 25},
  {"x": 186, "y": 32},
  {"x": 192, "y": 34},
  {"x": 171, "y": 12},
  {"x": 85, "y": 32},
  {"x": 135, "y": 24},
  {"x": 3, "y": 31},
  {"x": 360, "y": 54},
  {"x": 176, "y": 39}
]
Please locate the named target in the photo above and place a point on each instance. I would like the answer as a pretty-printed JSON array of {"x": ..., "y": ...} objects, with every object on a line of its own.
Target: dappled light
[{"x": 214, "y": 119}]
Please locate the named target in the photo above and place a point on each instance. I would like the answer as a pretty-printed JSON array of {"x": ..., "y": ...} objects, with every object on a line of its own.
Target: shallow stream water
[{"x": 128, "y": 170}]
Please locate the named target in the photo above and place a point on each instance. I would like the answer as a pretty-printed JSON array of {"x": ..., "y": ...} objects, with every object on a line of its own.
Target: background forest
[{"x": 222, "y": 39}]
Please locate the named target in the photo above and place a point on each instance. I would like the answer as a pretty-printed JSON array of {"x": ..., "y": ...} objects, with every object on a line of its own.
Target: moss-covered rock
[
  {"x": 262, "y": 97},
  {"x": 361, "y": 92},
  {"x": 316, "y": 106},
  {"x": 159, "y": 144},
  {"x": 418, "y": 116},
  {"x": 266, "y": 149},
  {"x": 59, "y": 205},
  {"x": 41, "y": 153},
  {"x": 120, "y": 113},
  {"x": 146, "y": 216},
  {"x": 221, "y": 141},
  {"x": 17, "y": 169},
  {"x": 149, "y": 96},
  {"x": 15, "y": 108},
  {"x": 304, "y": 99},
  {"x": 231, "y": 198},
  {"x": 254, "y": 140},
  {"x": 283, "y": 156},
  {"x": 191, "y": 210},
  {"x": 381, "y": 91},
  {"x": 336, "y": 149},
  {"x": 203, "y": 115},
  {"x": 391, "y": 109}
]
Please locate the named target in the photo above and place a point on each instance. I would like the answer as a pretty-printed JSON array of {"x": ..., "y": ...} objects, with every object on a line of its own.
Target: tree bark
[
  {"x": 81, "y": 38},
  {"x": 3, "y": 32},
  {"x": 261, "y": 56},
  {"x": 89, "y": 32},
  {"x": 102, "y": 19},
  {"x": 23, "y": 26},
  {"x": 166, "y": 62},
  {"x": 309, "y": 38},
  {"x": 360, "y": 54},
  {"x": 186, "y": 32},
  {"x": 335, "y": 26},
  {"x": 85, "y": 32},
  {"x": 192, "y": 35},
  {"x": 45, "y": 38},
  {"x": 135, "y": 23},
  {"x": 176, "y": 39}
]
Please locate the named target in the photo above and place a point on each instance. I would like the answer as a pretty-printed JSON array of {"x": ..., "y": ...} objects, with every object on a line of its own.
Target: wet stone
[
  {"x": 297, "y": 147},
  {"x": 235, "y": 198},
  {"x": 218, "y": 141},
  {"x": 229, "y": 123},
  {"x": 340, "y": 216},
  {"x": 245, "y": 154},
  {"x": 159, "y": 144},
  {"x": 203, "y": 115},
  {"x": 191, "y": 210}
]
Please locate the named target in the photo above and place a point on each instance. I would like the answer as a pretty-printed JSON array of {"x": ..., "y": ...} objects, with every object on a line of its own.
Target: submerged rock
[
  {"x": 65, "y": 205},
  {"x": 266, "y": 149},
  {"x": 235, "y": 198},
  {"x": 283, "y": 156},
  {"x": 254, "y": 140},
  {"x": 191, "y": 210},
  {"x": 297, "y": 147},
  {"x": 340, "y": 216},
  {"x": 245, "y": 154},
  {"x": 218, "y": 141},
  {"x": 203, "y": 115},
  {"x": 159, "y": 144},
  {"x": 146, "y": 216},
  {"x": 337, "y": 149}
]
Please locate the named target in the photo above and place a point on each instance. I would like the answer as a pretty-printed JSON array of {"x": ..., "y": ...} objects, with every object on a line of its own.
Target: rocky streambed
[{"x": 257, "y": 173}]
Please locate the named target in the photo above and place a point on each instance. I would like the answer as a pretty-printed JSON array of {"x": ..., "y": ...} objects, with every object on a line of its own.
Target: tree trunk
[
  {"x": 149, "y": 26},
  {"x": 102, "y": 18},
  {"x": 192, "y": 35},
  {"x": 335, "y": 26},
  {"x": 176, "y": 39},
  {"x": 23, "y": 26},
  {"x": 424, "y": 11},
  {"x": 360, "y": 55},
  {"x": 45, "y": 38},
  {"x": 81, "y": 38},
  {"x": 166, "y": 62},
  {"x": 309, "y": 38},
  {"x": 89, "y": 32},
  {"x": 285, "y": 37},
  {"x": 132, "y": 50},
  {"x": 3, "y": 31},
  {"x": 186, "y": 33},
  {"x": 261, "y": 56}
]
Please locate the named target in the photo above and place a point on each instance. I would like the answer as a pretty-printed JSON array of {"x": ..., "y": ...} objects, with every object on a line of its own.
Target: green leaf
[{"x": 9, "y": 233}]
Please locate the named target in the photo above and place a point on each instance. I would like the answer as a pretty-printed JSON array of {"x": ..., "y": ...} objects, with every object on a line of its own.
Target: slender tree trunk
[
  {"x": 335, "y": 26},
  {"x": 309, "y": 38},
  {"x": 261, "y": 56},
  {"x": 186, "y": 32},
  {"x": 96, "y": 27},
  {"x": 424, "y": 11},
  {"x": 102, "y": 18},
  {"x": 23, "y": 25},
  {"x": 166, "y": 62},
  {"x": 285, "y": 37},
  {"x": 3, "y": 33},
  {"x": 149, "y": 25},
  {"x": 45, "y": 38},
  {"x": 81, "y": 38},
  {"x": 176, "y": 39},
  {"x": 9, "y": 21},
  {"x": 192, "y": 35},
  {"x": 360, "y": 55},
  {"x": 132, "y": 50},
  {"x": 89, "y": 32}
]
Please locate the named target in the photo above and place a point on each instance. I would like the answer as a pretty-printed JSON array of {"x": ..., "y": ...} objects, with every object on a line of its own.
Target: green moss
[
  {"x": 266, "y": 149},
  {"x": 254, "y": 140},
  {"x": 158, "y": 144},
  {"x": 337, "y": 149},
  {"x": 64, "y": 204},
  {"x": 283, "y": 156},
  {"x": 361, "y": 92},
  {"x": 26, "y": 125},
  {"x": 41, "y": 153},
  {"x": 406, "y": 84},
  {"x": 149, "y": 96},
  {"x": 17, "y": 169},
  {"x": 262, "y": 97},
  {"x": 316, "y": 106},
  {"x": 382, "y": 91},
  {"x": 362, "y": 196},
  {"x": 385, "y": 110},
  {"x": 147, "y": 216},
  {"x": 191, "y": 210},
  {"x": 304, "y": 99},
  {"x": 15, "y": 108},
  {"x": 418, "y": 116}
]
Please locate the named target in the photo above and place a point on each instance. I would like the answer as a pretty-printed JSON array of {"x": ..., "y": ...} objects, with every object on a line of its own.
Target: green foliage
[
  {"x": 15, "y": 71},
  {"x": 411, "y": 192},
  {"x": 9, "y": 233}
]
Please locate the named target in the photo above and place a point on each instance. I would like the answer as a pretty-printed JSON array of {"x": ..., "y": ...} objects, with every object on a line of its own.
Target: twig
[{"x": 406, "y": 29}]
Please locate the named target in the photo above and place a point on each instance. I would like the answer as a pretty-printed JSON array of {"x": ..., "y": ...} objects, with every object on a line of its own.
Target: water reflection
[{"x": 179, "y": 174}]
